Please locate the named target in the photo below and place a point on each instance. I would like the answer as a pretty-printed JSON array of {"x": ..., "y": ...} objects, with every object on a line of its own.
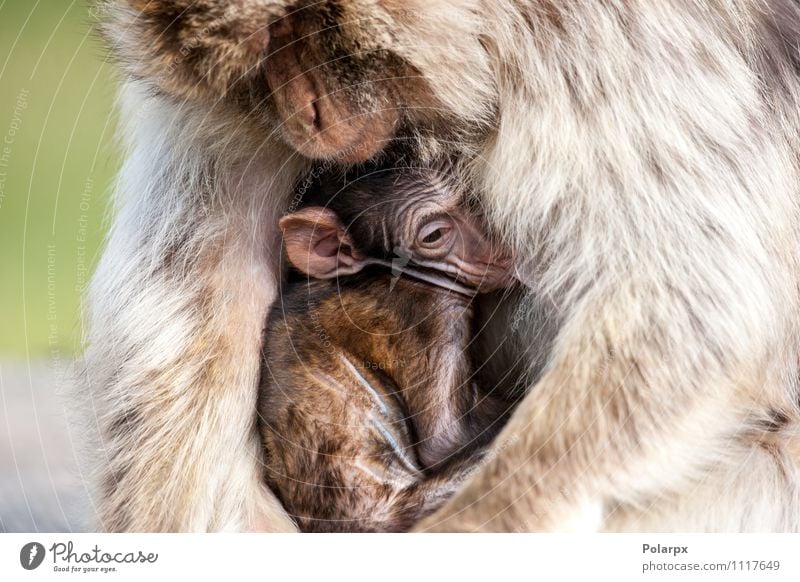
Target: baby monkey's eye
[
  {"x": 434, "y": 236},
  {"x": 434, "y": 233}
]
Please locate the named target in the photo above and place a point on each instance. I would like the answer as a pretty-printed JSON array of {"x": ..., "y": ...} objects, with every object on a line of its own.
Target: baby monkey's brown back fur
[{"x": 352, "y": 369}]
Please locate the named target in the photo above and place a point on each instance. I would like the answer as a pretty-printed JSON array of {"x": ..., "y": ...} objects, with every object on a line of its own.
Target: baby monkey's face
[
  {"x": 432, "y": 228},
  {"x": 417, "y": 223}
]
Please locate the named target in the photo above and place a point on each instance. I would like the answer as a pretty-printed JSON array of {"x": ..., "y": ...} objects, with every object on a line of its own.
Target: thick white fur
[
  {"x": 178, "y": 345},
  {"x": 658, "y": 192}
]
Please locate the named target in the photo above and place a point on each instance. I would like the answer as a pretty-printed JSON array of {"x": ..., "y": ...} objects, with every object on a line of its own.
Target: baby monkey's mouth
[{"x": 428, "y": 275}]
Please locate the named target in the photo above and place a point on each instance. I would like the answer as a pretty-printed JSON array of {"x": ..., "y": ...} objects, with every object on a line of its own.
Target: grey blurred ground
[{"x": 41, "y": 486}]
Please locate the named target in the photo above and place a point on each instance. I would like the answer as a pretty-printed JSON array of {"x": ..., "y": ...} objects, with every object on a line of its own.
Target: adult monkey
[{"x": 640, "y": 157}]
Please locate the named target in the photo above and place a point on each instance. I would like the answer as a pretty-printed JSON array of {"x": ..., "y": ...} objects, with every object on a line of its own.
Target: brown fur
[
  {"x": 326, "y": 459},
  {"x": 315, "y": 72},
  {"x": 370, "y": 412}
]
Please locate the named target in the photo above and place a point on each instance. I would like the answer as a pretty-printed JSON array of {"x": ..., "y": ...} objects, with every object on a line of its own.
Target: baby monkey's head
[{"x": 415, "y": 221}]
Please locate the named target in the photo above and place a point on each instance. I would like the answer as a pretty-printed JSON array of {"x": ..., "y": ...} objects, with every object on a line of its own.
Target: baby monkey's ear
[{"x": 317, "y": 243}]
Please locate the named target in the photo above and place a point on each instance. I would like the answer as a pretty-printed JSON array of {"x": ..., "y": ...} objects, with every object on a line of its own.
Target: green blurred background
[
  {"x": 57, "y": 164},
  {"x": 57, "y": 161}
]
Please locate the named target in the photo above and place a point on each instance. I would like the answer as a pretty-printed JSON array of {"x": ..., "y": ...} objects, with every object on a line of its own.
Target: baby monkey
[{"x": 370, "y": 414}]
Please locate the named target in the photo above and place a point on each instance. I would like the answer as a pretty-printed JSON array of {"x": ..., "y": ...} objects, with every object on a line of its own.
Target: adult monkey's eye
[{"x": 435, "y": 233}]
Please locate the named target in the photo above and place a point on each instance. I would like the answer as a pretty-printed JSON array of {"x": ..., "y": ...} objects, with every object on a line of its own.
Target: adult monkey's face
[
  {"x": 334, "y": 96},
  {"x": 337, "y": 78}
]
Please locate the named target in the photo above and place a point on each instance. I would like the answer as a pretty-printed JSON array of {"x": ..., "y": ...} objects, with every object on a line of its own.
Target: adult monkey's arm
[
  {"x": 176, "y": 310},
  {"x": 654, "y": 147}
]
